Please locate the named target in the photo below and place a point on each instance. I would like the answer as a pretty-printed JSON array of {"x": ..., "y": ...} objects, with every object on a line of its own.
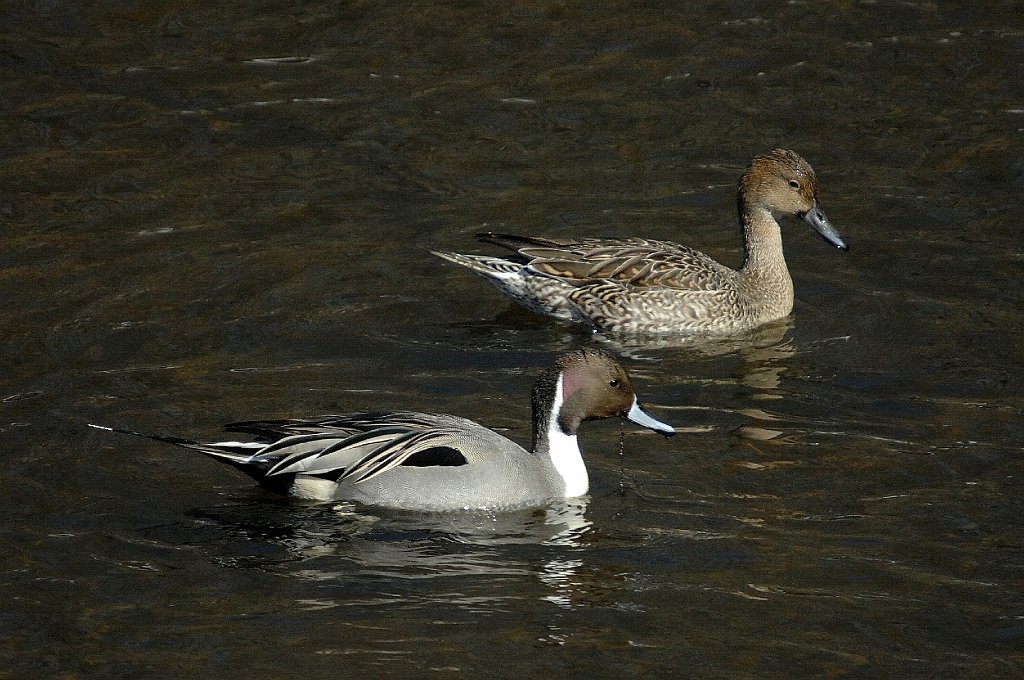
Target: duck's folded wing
[
  {"x": 638, "y": 262},
  {"x": 639, "y": 267},
  {"x": 365, "y": 455}
]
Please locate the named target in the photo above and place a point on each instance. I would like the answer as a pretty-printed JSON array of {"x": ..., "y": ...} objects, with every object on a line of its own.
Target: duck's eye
[
  {"x": 793, "y": 183},
  {"x": 614, "y": 383}
]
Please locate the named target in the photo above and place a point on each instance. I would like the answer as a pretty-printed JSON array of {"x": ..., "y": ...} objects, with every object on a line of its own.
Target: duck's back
[
  {"x": 635, "y": 262},
  {"x": 465, "y": 465}
]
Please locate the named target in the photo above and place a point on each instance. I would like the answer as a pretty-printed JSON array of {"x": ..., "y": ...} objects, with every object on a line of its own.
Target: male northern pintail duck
[
  {"x": 636, "y": 285},
  {"x": 435, "y": 462}
]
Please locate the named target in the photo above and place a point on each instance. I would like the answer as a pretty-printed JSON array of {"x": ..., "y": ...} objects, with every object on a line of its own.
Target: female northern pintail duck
[
  {"x": 435, "y": 462},
  {"x": 636, "y": 285}
]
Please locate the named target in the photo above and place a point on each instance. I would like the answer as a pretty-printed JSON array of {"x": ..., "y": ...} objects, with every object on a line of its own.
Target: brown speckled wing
[{"x": 640, "y": 263}]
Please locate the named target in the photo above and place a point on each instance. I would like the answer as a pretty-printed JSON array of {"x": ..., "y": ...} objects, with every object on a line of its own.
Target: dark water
[{"x": 216, "y": 213}]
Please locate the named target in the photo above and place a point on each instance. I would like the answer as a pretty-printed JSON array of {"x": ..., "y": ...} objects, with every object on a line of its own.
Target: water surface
[{"x": 218, "y": 213}]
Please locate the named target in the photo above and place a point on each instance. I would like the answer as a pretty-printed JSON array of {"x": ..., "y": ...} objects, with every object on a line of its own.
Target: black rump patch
[{"x": 438, "y": 455}]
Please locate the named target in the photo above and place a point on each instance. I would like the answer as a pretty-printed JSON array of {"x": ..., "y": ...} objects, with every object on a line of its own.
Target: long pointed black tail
[
  {"x": 237, "y": 454},
  {"x": 177, "y": 441}
]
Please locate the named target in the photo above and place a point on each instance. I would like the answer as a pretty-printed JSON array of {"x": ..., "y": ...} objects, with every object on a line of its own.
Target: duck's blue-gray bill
[
  {"x": 637, "y": 415},
  {"x": 817, "y": 219}
]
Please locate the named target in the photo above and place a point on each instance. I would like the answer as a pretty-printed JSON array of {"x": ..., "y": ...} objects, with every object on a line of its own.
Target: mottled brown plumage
[{"x": 636, "y": 285}]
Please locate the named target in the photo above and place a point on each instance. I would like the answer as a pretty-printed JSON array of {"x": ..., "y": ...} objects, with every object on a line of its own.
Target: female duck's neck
[
  {"x": 764, "y": 284},
  {"x": 762, "y": 245}
]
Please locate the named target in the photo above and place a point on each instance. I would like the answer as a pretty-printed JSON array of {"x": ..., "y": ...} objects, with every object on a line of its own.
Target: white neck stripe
[{"x": 564, "y": 451}]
